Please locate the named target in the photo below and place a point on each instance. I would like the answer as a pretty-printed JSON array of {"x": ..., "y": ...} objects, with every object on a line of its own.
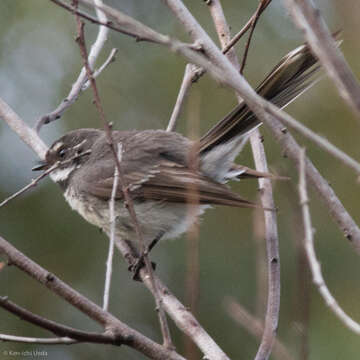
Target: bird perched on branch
[{"x": 156, "y": 165}]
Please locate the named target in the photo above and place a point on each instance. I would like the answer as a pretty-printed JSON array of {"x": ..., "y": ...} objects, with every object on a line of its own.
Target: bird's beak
[{"x": 41, "y": 165}]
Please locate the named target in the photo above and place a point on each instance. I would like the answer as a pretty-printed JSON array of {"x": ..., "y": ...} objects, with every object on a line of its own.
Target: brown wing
[
  {"x": 154, "y": 167},
  {"x": 172, "y": 183},
  {"x": 180, "y": 184}
]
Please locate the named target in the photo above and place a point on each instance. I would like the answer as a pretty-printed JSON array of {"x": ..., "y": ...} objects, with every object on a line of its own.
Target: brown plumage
[{"x": 156, "y": 165}]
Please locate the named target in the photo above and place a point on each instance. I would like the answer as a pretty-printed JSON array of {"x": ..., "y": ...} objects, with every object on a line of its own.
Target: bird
[{"x": 156, "y": 165}]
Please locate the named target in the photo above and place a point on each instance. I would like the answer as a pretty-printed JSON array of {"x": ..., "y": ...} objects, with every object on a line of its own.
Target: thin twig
[
  {"x": 32, "y": 184},
  {"x": 308, "y": 18},
  {"x": 184, "y": 88},
  {"x": 311, "y": 255},
  {"x": 130, "y": 205},
  {"x": 67, "y": 332},
  {"x": 111, "y": 58},
  {"x": 254, "y": 326},
  {"x": 247, "y": 26},
  {"x": 33, "y": 340},
  {"x": 109, "y": 261},
  {"x": 82, "y": 83},
  {"x": 262, "y": 5}
]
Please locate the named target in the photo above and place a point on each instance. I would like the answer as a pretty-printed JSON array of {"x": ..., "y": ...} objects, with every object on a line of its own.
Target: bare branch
[
  {"x": 97, "y": 72},
  {"x": 32, "y": 340},
  {"x": 267, "y": 201},
  {"x": 247, "y": 26},
  {"x": 273, "y": 256},
  {"x": 26, "y": 134},
  {"x": 311, "y": 255},
  {"x": 68, "y": 332},
  {"x": 125, "y": 24},
  {"x": 309, "y": 20},
  {"x": 32, "y": 184},
  {"x": 81, "y": 83},
  {"x": 190, "y": 70},
  {"x": 254, "y": 326},
  {"x": 262, "y": 5},
  {"x": 117, "y": 330}
]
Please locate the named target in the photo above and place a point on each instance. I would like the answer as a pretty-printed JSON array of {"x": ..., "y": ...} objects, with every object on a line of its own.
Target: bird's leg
[
  {"x": 139, "y": 262},
  {"x": 154, "y": 242}
]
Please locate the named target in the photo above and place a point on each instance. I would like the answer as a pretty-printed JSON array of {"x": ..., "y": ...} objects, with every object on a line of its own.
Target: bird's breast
[{"x": 90, "y": 208}]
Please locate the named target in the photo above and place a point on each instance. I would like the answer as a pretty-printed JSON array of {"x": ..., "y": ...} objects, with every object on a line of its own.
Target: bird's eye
[{"x": 61, "y": 153}]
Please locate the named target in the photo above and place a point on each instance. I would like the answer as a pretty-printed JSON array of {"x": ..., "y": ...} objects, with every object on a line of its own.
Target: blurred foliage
[{"x": 39, "y": 61}]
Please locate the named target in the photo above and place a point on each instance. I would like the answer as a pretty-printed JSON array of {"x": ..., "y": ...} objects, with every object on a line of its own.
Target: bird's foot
[{"x": 137, "y": 265}]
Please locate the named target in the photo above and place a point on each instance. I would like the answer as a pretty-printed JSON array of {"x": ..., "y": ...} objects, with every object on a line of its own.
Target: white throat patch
[{"x": 61, "y": 174}]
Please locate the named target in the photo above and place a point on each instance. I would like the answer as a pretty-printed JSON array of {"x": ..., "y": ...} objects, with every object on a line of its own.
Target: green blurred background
[{"x": 39, "y": 61}]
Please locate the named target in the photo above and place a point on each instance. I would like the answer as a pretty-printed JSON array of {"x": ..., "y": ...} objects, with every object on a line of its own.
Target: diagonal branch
[
  {"x": 190, "y": 71},
  {"x": 246, "y": 27},
  {"x": 261, "y": 7},
  {"x": 56, "y": 328},
  {"x": 32, "y": 184},
  {"x": 114, "y": 328},
  {"x": 308, "y": 18},
  {"x": 26, "y": 134}
]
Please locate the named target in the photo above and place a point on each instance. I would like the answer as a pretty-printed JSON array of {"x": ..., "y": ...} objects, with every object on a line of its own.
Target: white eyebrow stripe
[{"x": 58, "y": 145}]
